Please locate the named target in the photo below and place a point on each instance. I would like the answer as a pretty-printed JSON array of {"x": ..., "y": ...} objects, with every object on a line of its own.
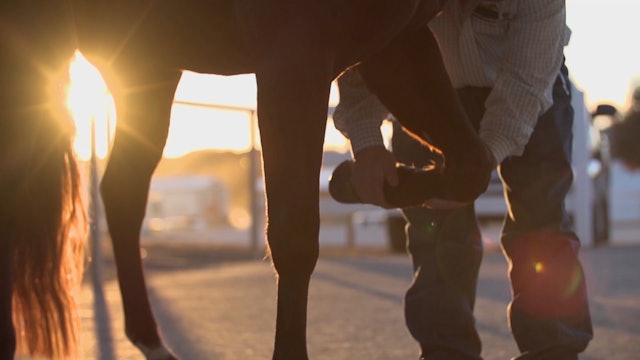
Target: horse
[{"x": 295, "y": 49}]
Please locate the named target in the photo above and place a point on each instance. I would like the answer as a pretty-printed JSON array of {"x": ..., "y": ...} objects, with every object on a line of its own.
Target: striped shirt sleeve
[
  {"x": 359, "y": 113},
  {"x": 533, "y": 54}
]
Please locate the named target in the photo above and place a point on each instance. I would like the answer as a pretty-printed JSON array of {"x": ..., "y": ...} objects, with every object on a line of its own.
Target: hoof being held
[
  {"x": 415, "y": 186},
  {"x": 461, "y": 181}
]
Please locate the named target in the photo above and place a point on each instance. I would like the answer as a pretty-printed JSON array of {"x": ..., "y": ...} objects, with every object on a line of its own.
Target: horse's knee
[
  {"x": 293, "y": 245},
  {"x": 124, "y": 189},
  {"x": 129, "y": 169}
]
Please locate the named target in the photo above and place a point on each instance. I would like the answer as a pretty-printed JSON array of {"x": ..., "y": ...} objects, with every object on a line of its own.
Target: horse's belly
[
  {"x": 203, "y": 36},
  {"x": 197, "y": 35},
  {"x": 349, "y": 30},
  {"x": 372, "y": 27}
]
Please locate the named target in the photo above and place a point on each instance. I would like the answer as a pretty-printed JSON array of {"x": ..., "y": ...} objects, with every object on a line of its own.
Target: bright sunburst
[{"x": 89, "y": 100}]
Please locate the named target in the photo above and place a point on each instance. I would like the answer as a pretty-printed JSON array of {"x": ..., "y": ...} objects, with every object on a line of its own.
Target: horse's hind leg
[
  {"x": 144, "y": 107},
  {"x": 409, "y": 77}
]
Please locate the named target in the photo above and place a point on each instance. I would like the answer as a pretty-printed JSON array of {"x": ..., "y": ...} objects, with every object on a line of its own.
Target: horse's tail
[{"x": 49, "y": 231}]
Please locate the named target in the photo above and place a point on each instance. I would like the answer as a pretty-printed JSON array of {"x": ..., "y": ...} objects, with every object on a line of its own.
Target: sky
[
  {"x": 603, "y": 55},
  {"x": 603, "y": 59}
]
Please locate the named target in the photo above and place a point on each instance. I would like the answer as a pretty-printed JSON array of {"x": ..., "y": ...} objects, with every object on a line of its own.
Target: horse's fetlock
[{"x": 295, "y": 259}]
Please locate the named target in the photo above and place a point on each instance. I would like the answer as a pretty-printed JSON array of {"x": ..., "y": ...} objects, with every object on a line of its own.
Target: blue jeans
[{"x": 549, "y": 309}]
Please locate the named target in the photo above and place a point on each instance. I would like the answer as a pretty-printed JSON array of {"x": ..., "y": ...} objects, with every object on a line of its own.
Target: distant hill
[{"x": 231, "y": 168}]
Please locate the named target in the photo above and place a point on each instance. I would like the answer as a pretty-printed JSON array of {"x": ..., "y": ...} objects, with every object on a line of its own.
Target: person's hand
[{"x": 373, "y": 166}]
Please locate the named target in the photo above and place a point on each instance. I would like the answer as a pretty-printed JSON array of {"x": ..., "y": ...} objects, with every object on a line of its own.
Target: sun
[{"x": 90, "y": 101}]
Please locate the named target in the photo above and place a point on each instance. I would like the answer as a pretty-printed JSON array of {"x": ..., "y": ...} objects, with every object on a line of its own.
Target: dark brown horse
[{"x": 295, "y": 48}]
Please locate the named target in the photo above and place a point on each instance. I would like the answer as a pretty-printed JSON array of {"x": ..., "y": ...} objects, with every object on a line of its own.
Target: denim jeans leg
[
  {"x": 549, "y": 308},
  {"x": 446, "y": 251}
]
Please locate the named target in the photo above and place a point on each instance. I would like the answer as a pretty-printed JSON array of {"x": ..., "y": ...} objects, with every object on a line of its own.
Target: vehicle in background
[
  {"x": 599, "y": 169},
  {"x": 186, "y": 203}
]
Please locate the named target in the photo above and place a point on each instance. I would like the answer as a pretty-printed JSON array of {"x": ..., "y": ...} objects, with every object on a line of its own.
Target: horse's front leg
[
  {"x": 409, "y": 77},
  {"x": 144, "y": 107},
  {"x": 292, "y": 118}
]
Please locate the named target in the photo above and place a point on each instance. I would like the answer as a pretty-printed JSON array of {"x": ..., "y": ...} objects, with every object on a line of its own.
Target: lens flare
[{"x": 539, "y": 267}]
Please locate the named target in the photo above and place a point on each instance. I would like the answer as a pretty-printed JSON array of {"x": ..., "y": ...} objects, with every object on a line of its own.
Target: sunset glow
[
  {"x": 89, "y": 100},
  {"x": 602, "y": 55}
]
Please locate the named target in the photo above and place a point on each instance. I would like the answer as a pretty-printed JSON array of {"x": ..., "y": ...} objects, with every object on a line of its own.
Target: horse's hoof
[
  {"x": 340, "y": 186},
  {"x": 157, "y": 352},
  {"x": 415, "y": 186}
]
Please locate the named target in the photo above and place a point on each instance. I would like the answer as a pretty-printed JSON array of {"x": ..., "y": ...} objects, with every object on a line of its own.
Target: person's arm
[
  {"x": 359, "y": 113},
  {"x": 522, "y": 91},
  {"x": 358, "y": 117}
]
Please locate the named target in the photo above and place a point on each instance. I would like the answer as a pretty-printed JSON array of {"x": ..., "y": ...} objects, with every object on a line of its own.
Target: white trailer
[{"x": 186, "y": 203}]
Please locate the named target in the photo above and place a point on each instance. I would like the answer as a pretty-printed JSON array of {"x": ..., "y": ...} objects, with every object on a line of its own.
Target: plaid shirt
[{"x": 513, "y": 46}]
